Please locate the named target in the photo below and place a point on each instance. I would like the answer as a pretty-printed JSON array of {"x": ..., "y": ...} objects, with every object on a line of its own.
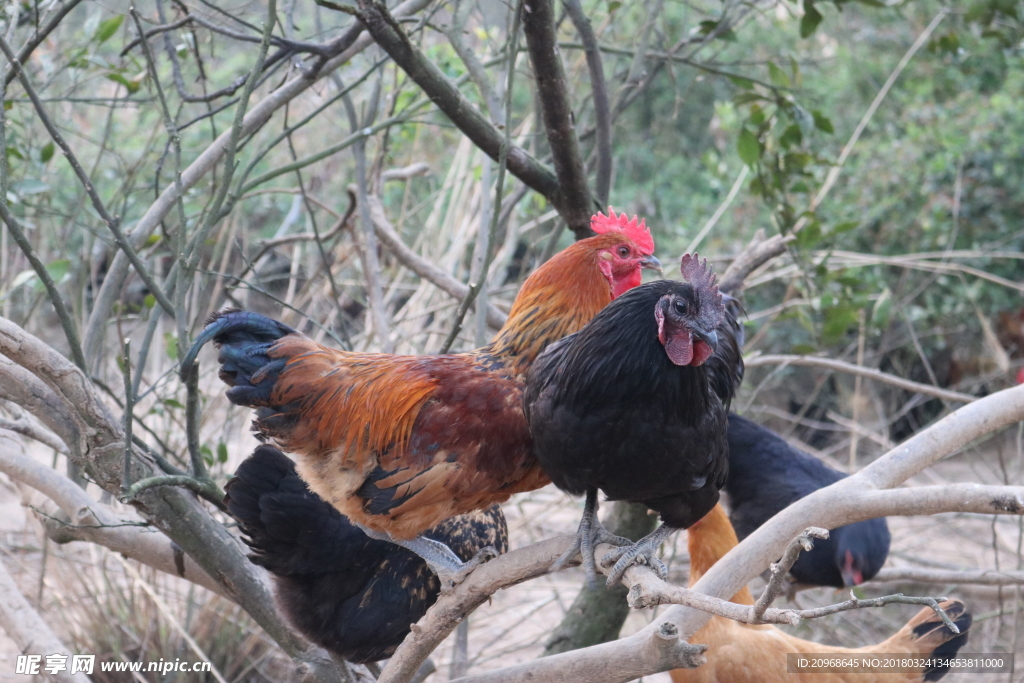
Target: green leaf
[
  {"x": 149, "y": 301},
  {"x": 778, "y": 76},
  {"x": 748, "y": 147},
  {"x": 58, "y": 269},
  {"x": 839, "y": 319},
  {"x": 46, "y": 153},
  {"x": 809, "y": 236},
  {"x": 173, "y": 403},
  {"x": 171, "y": 345},
  {"x": 812, "y": 17},
  {"x": 152, "y": 239},
  {"x": 804, "y": 349},
  {"x": 207, "y": 454},
  {"x": 821, "y": 122},
  {"x": 13, "y": 151},
  {"x": 22, "y": 278},
  {"x": 741, "y": 82},
  {"x": 222, "y": 452},
  {"x": 845, "y": 226},
  {"x": 8, "y": 105},
  {"x": 107, "y": 28},
  {"x": 791, "y": 136},
  {"x": 131, "y": 86},
  {"x": 614, "y": 5}
]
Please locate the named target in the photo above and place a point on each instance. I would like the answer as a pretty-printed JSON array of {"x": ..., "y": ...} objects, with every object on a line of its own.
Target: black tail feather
[{"x": 351, "y": 594}]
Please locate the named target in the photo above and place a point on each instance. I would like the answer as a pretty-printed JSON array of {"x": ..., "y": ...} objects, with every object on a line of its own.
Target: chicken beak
[
  {"x": 710, "y": 338},
  {"x": 650, "y": 262}
]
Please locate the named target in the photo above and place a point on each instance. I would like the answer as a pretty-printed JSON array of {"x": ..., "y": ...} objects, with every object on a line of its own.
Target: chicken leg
[
  {"x": 643, "y": 551},
  {"x": 439, "y": 557},
  {"x": 590, "y": 533}
]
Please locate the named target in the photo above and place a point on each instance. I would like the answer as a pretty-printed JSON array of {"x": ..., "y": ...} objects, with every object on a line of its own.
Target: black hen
[
  {"x": 347, "y": 592},
  {"x": 766, "y": 474},
  {"x": 630, "y": 405}
]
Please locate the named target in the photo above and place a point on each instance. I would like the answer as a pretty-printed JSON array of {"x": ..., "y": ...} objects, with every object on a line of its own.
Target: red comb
[{"x": 636, "y": 230}]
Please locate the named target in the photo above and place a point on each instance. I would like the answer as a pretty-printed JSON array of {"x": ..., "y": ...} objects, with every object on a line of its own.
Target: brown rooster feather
[{"x": 400, "y": 443}]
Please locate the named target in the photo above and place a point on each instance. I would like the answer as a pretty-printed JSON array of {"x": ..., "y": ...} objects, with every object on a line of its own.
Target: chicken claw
[
  {"x": 590, "y": 533},
  {"x": 643, "y": 551}
]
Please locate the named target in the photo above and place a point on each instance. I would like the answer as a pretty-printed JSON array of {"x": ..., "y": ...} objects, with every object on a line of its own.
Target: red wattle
[
  {"x": 701, "y": 352},
  {"x": 679, "y": 348}
]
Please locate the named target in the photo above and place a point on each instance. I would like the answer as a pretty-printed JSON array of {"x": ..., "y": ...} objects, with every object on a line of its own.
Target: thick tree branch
[{"x": 576, "y": 205}]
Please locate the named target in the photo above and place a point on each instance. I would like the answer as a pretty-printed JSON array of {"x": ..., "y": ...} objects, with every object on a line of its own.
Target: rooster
[
  {"x": 353, "y": 595},
  {"x": 766, "y": 474},
  {"x": 630, "y": 405},
  {"x": 400, "y": 443},
  {"x": 744, "y": 653}
]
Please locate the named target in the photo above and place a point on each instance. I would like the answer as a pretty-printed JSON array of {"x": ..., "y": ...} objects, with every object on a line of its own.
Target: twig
[
  {"x": 602, "y": 106},
  {"x": 574, "y": 198},
  {"x": 386, "y": 31},
  {"x": 66, "y": 321},
  {"x": 425, "y": 269},
  {"x": 720, "y": 211},
  {"x": 112, "y": 222},
  {"x": 499, "y": 185},
  {"x": 206, "y": 489},
  {"x": 779, "y": 570},
  {"x": 982, "y": 577},
  {"x": 862, "y": 371},
  {"x": 836, "y": 169},
  {"x": 129, "y": 418},
  {"x": 343, "y": 48},
  {"x": 758, "y": 252}
]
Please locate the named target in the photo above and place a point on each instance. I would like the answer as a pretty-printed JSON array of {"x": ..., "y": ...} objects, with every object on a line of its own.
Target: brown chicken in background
[
  {"x": 400, "y": 443},
  {"x": 744, "y": 653}
]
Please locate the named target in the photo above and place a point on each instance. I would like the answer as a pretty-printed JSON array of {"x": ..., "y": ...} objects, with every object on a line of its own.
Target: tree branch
[
  {"x": 599, "y": 90},
  {"x": 344, "y": 48},
  {"x": 576, "y": 205},
  {"x": 860, "y": 371},
  {"x": 443, "y": 93}
]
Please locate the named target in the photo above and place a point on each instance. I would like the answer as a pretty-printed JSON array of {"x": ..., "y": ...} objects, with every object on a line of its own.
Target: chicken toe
[
  {"x": 589, "y": 534},
  {"x": 643, "y": 551}
]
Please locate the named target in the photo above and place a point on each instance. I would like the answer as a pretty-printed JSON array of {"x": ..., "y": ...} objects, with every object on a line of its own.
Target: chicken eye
[
  {"x": 623, "y": 252},
  {"x": 680, "y": 307}
]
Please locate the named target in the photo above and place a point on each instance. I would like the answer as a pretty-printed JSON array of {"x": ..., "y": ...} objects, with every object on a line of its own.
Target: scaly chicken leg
[
  {"x": 439, "y": 557},
  {"x": 643, "y": 551},
  {"x": 590, "y": 533}
]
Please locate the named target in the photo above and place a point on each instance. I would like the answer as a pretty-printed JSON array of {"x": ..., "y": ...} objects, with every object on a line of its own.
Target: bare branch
[
  {"x": 758, "y": 252},
  {"x": 602, "y": 106},
  {"x": 417, "y": 264},
  {"x": 576, "y": 205},
  {"x": 981, "y": 577},
  {"x": 385, "y": 30},
  {"x": 344, "y": 48},
  {"x": 860, "y": 371},
  {"x": 776, "y": 584}
]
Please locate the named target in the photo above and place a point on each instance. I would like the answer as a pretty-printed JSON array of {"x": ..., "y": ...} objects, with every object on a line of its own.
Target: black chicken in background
[
  {"x": 353, "y": 595},
  {"x": 766, "y": 474},
  {"x": 631, "y": 405}
]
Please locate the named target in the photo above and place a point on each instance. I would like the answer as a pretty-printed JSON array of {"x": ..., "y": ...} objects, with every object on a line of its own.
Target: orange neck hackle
[
  {"x": 709, "y": 540},
  {"x": 556, "y": 300}
]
